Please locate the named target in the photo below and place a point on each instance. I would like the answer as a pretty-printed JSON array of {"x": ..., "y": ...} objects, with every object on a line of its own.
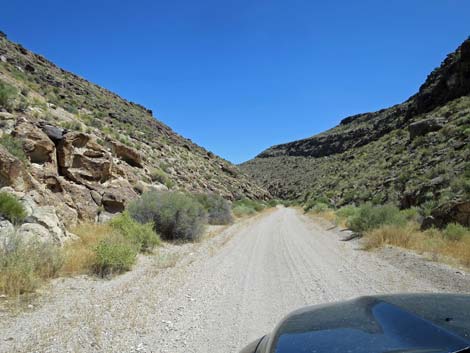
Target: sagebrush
[{"x": 176, "y": 215}]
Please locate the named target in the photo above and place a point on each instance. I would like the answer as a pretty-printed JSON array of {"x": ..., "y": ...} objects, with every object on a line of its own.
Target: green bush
[
  {"x": 115, "y": 254},
  {"x": 316, "y": 201},
  {"x": 7, "y": 95},
  {"x": 411, "y": 214},
  {"x": 455, "y": 231},
  {"x": 347, "y": 212},
  {"x": 11, "y": 208},
  {"x": 316, "y": 207},
  {"x": 176, "y": 216},
  {"x": 24, "y": 266},
  {"x": 162, "y": 177},
  {"x": 14, "y": 146},
  {"x": 218, "y": 209},
  {"x": 141, "y": 234},
  {"x": 370, "y": 217},
  {"x": 245, "y": 207}
]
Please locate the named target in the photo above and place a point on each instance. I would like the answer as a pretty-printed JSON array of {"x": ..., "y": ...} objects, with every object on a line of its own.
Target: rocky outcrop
[
  {"x": 37, "y": 145},
  {"x": 127, "y": 154},
  {"x": 457, "y": 211},
  {"x": 55, "y": 133},
  {"x": 354, "y": 132},
  {"x": 82, "y": 160},
  {"x": 13, "y": 172},
  {"x": 136, "y": 142},
  {"x": 423, "y": 127},
  {"x": 44, "y": 224},
  {"x": 451, "y": 80},
  {"x": 117, "y": 194}
]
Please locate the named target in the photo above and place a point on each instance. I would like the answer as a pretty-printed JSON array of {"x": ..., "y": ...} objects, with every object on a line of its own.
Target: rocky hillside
[
  {"x": 412, "y": 154},
  {"x": 84, "y": 152}
]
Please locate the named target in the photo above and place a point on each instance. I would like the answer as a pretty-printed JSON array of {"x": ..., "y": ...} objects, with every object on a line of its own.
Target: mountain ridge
[
  {"x": 87, "y": 152},
  {"x": 429, "y": 130}
]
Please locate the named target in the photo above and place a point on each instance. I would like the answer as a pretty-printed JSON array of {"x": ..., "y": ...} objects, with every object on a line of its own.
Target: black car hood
[{"x": 396, "y": 323}]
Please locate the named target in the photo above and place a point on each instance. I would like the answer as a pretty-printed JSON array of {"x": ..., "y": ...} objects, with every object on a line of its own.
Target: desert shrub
[
  {"x": 162, "y": 177},
  {"x": 11, "y": 208},
  {"x": 218, "y": 209},
  {"x": 24, "y": 266},
  {"x": 274, "y": 203},
  {"x": 370, "y": 217},
  {"x": 143, "y": 235},
  {"x": 70, "y": 108},
  {"x": 114, "y": 254},
  {"x": 14, "y": 146},
  {"x": 347, "y": 212},
  {"x": 7, "y": 95},
  {"x": 176, "y": 216},
  {"x": 316, "y": 201},
  {"x": 461, "y": 185},
  {"x": 245, "y": 207},
  {"x": 455, "y": 231},
  {"x": 411, "y": 214}
]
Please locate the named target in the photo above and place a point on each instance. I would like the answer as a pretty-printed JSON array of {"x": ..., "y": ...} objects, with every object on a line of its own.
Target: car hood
[{"x": 396, "y": 323}]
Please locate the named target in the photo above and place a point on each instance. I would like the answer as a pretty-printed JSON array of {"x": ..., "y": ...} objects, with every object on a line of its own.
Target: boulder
[
  {"x": 127, "y": 154},
  {"x": 33, "y": 231},
  {"x": 82, "y": 160},
  {"x": 44, "y": 224},
  {"x": 142, "y": 187},
  {"x": 423, "y": 127},
  {"x": 38, "y": 146},
  {"x": 80, "y": 199},
  {"x": 13, "y": 172},
  {"x": 53, "y": 132},
  {"x": 117, "y": 194}
]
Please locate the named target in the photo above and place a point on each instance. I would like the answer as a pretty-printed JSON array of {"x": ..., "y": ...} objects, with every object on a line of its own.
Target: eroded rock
[
  {"x": 127, "y": 154},
  {"x": 13, "y": 172},
  {"x": 82, "y": 160},
  {"x": 37, "y": 145},
  {"x": 117, "y": 194},
  {"x": 423, "y": 127}
]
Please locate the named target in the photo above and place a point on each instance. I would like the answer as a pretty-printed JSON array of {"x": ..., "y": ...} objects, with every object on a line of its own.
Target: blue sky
[{"x": 239, "y": 76}]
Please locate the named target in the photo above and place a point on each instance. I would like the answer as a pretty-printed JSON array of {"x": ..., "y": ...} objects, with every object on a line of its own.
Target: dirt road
[{"x": 216, "y": 296}]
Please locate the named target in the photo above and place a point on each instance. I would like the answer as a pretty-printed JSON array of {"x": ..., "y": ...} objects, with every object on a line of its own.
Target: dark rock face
[
  {"x": 423, "y": 127},
  {"x": 451, "y": 80},
  {"x": 358, "y": 130},
  {"x": 457, "y": 211},
  {"x": 54, "y": 133},
  {"x": 448, "y": 82}
]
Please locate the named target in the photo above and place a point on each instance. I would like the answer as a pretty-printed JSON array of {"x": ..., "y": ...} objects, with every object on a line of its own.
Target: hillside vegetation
[
  {"x": 415, "y": 154},
  {"x": 84, "y": 152}
]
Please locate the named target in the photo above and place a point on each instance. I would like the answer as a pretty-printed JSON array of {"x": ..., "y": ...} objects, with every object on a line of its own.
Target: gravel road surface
[{"x": 218, "y": 295}]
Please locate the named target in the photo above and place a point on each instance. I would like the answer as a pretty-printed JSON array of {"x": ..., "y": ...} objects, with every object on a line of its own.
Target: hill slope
[
  {"x": 413, "y": 154},
  {"x": 86, "y": 151}
]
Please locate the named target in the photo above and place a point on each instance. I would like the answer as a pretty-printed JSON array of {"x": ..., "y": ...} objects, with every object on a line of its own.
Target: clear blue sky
[{"x": 239, "y": 76}]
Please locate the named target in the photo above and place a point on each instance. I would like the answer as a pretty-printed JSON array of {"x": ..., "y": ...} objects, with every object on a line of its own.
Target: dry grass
[
  {"x": 408, "y": 237},
  {"x": 432, "y": 242},
  {"x": 79, "y": 255},
  {"x": 329, "y": 215},
  {"x": 26, "y": 266}
]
